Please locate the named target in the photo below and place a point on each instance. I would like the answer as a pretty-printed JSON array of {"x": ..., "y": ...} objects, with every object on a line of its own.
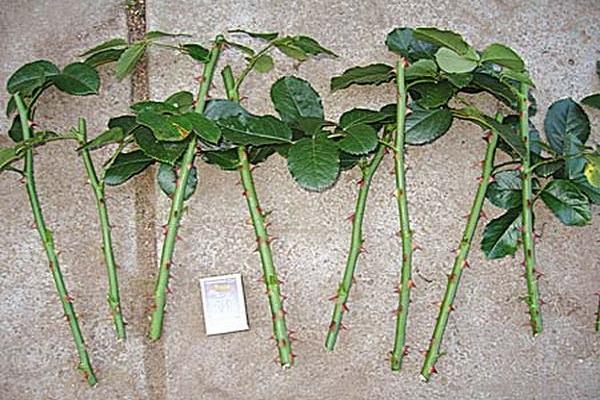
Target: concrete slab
[
  {"x": 39, "y": 357},
  {"x": 490, "y": 352}
]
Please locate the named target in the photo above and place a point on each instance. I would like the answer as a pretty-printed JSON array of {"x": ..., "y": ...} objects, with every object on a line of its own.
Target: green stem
[
  {"x": 272, "y": 282},
  {"x": 460, "y": 262},
  {"x": 176, "y": 212},
  {"x": 405, "y": 284},
  {"x": 114, "y": 301},
  {"x": 356, "y": 242},
  {"x": 48, "y": 242},
  {"x": 533, "y": 297}
]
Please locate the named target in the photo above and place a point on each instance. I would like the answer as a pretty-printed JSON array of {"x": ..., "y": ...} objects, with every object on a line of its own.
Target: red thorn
[
  {"x": 363, "y": 249},
  {"x": 243, "y": 98},
  {"x": 542, "y": 302},
  {"x": 169, "y": 290},
  {"x": 343, "y": 327},
  {"x": 487, "y": 136},
  {"x": 245, "y": 193},
  {"x": 483, "y": 215},
  {"x": 333, "y": 298},
  {"x": 411, "y": 284},
  {"x": 69, "y": 298},
  {"x": 350, "y": 217},
  {"x": 432, "y": 370},
  {"x": 416, "y": 247},
  {"x": 466, "y": 264},
  {"x": 405, "y": 351},
  {"x": 361, "y": 183},
  {"x": 354, "y": 280},
  {"x": 345, "y": 307}
]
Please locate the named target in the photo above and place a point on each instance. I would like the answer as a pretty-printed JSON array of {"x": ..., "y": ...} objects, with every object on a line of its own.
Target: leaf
[
  {"x": 591, "y": 192},
  {"x": 348, "y": 161},
  {"x": 505, "y": 190},
  {"x": 170, "y": 128},
  {"x": 220, "y": 108},
  {"x": 301, "y": 47},
  {"x": 593, "y": 100},
  {"x": 78, "y": 79},
  {"x": 454, "y": 63},
  {"x": 295, "y": 98},
  {"x": 125, "y": 122},
  {"x": 227, "y": 160},
  {"x": 358, "y": 116},
  {"x": 374, "y": 74},
  {"x": 152, "y": 35},
  {"x": 205, "y": 128},
  {"x": 567, "y": 128},
  {"x": 268, "y": 36},
  {"x": 255, "y": 130},
  {"x": 167, "y": 181},
  {"x": 112, "y": 135},
  {"x": 514, "y": 124},
  {"x": 360, "y": 139},
  {"x": 128, "y": 60},
  {"x": 314, "y": 162},
  {"x": 592, "y": 169},
  {"x": 166, "y": 152},
  {"x": 421, "y": 69},
  {"x": 484, "y": 81},
  {"x": 403, "y": 41},
  {"x": 15, "y": 132},
  {"x": 11, "y": 107},
  {"x": 197, "y": 52},
  {"x": 111, "y": 44},
  {"x": 521, "y": 77},
  {"x": 432, "y": 95},
  {"x": 504, "y": 56},
  {"x": 425, "y": 126},
  {"x": 30, "y": 77},
  {"x": 7, "y": 156},
  {"x": 256, "y": 155},
  {"x": 263, "y": 63},
  {"x": 445, "y": 38},
  {"x": 182, "y": 101},
  {"x": 501, "y": 235},
  {"x": 567, "y": 202},
  {"x": 104, "y": 57},
  {"x": 244, "y": 49},
  {"x": 460, "y": 80},
  {"x": 157, "y": 107},
  {"x": 125, "y": 166}
]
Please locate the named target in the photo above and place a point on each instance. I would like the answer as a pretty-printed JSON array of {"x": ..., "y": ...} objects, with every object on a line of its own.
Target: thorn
[
  {"x": 165, "y": 229},
  {"x": 169, "y": 291},
  {"x": 491, "y": 179},
  {"x": 343, "y": 327},
  {"x": 451, "y": 308},
  {"x": 411, "y": 284},
  {"x": 333, "y": 298},
  {"x": 243, "y": 98},
  {"x": 487, "y": 136},
  {"x": 483, "y": 215},
  {"x": 69, "y": 298},
  {"x": 350, "y": 218},
  {"x": 178, "y": 238},
  {"x": 542, "y": 302},
  {"x": 432, "y": 370},
  {"x": 363, "y": 249},
  {"x": 416, "y": 247},
  {"x": 466, "y": 264},
  {"x": 478, "y": 163},
  {"x": 360, "y": 183},
  {"x": 199, "y": 78},
  {"x": 345, "y": 307},
  {"x": 245, "y": 193},
  {"x": 354, "y": 281},
  {"x": 405, "y": 351}
]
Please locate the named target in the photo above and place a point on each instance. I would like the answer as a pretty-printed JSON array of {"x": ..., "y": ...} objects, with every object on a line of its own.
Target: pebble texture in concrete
[{"x": 490, "y": 353}]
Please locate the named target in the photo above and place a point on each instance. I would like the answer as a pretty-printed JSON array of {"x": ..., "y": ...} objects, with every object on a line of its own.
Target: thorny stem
[
  {"x": 48, "y": 242},
  {"x": 176, "y": 212},
  {"x": 533, "y": 297},
  {"x": 356, "y": 243},
  {"x": 404, "y": 286},
  {"x": 114, "y": 301},
  {"x": 280, "y": 332},
  {"x": 460, "y": 262}
]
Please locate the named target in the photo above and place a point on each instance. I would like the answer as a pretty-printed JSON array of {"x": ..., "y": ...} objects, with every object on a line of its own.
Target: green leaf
[
  {"x": 592, "y": 169},
  {"x": 112, "y": 135},
  {"x": 256, "y": 155},
  {"x": 152, "y": 35},
  {"x": 125, "y": 166},
  {"x": 421, "y": 69},
  {"x": 255, "y": 130},
  {"x": 167, "y": 181},
  {"x": 504, "y": 56},
  {"x": 219, "y": 108},
  {"x": 157, "y": 107},
  {"x": 128, "y": 60},
  {"x": 358, "y": 116},
  {"x": 445, "y": 38},
  {"x": 11, "y": 107},
  {"x": 111, "y": 44},
  {"x": 501, "y": 235},
  {"x": 197, "y": 52},
  {"x": 454, "y": 63},
  {"x": 567, "y": 128},
  {"x": 205, "y": 128},
  {"x": 432, "y": 95},
  {"x": 460, "y": 80},
  {"x": 484, "y": 81},
  {"x": 268, "y": 36},
  {"x": 30, "y": 77},
  {"x": 7, "y": 156},
  {"x": 263, "y": 63},
  {"x": 348, "y": 161},
  {"x": 227, "y": 160},
  {"x": 172, "y": 128},
  {"x": 567, "y": 202},
  {"x": 125, "y": 122},
  {"x": 505, "y": 190},
  {"x": 314, "y": 162},
  {"x": 374, "y": 74},
  {"x": 593, "y": 100},
  {"x": 425, "y": 126},
  {"x": 15, "y": 132},
  {"x": 360, "y": 139},
  {"x": 591, "y": 192},
  {"x": 166, "y": 152},
  {"x": 295, "y": 98},
  {"x": 522, "y": 77},
  {"x": 78, "y": 79},
  {"x": 402, "y": 41},
  {"x": 104, "y": 57},
  {"x": 301, "y": 47},
  {"x": 182, "y": 101},
  {"x": 244, "y": 49}
]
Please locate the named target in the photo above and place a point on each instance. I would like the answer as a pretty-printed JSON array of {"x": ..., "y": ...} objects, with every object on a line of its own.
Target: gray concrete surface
[{"x": 490, "y": 354}]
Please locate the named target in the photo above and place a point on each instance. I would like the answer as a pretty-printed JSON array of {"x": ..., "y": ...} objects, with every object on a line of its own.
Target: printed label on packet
[{"x": 223, "y": 304}]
